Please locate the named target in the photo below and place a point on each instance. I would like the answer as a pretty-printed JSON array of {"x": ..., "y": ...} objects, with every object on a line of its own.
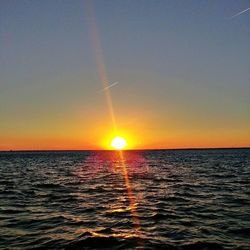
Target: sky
[{"x": 182, "y": 69}]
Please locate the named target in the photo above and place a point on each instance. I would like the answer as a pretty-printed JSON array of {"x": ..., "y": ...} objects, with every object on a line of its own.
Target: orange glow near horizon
[{"x": 99, "y": 139}]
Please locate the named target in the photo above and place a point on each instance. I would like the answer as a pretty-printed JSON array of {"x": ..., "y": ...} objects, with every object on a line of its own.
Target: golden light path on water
[{"x": 104, "y": 80}]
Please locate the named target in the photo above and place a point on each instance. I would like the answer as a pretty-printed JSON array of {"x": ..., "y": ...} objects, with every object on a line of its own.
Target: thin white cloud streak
[
  {"x": 241, "y": 12},
  {"x": 110, "y": 86}
]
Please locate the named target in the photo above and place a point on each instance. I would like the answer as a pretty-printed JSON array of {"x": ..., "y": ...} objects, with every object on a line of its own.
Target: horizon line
[{"x": 146, "y": 149}]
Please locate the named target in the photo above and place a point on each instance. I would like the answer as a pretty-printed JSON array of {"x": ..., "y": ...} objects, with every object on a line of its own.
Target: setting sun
[{"x": 119, "y": 143}]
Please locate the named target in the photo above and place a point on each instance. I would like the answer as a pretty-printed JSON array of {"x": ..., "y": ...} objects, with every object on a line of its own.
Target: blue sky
[{"x": 182, "y": 66}]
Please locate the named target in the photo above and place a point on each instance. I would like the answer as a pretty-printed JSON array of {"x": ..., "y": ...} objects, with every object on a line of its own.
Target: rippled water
[{"x": 169, "y": 199}]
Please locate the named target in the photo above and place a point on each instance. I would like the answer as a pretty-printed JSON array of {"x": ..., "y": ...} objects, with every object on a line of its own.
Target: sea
[{"x": 148, "y": 199}]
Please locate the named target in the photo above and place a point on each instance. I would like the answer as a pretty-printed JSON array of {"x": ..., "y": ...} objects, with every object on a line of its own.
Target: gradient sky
[{"x": 182, "y": 68}]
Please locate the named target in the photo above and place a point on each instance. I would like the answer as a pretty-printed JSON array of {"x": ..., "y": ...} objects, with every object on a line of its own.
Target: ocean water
[{"x": 160, "y": 199}]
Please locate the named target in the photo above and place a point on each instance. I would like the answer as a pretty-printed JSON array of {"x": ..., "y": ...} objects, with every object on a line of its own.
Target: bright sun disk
[{"x": 119, "y": 143}]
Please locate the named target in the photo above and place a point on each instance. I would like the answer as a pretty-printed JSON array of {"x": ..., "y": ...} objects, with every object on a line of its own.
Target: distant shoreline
[{"x": 82, "y": 150}]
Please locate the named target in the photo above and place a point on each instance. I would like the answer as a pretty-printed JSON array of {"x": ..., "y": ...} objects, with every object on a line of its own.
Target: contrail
[
  {"x": 110, "y": 86},
  {"x": 241, "y": 12}
]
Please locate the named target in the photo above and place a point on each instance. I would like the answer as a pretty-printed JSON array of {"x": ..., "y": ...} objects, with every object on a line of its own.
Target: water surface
[{"x": 162, "y": 199}]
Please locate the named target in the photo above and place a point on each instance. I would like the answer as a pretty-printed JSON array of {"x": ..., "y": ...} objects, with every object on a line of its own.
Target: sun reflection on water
[{"x": 113, "y": 171}]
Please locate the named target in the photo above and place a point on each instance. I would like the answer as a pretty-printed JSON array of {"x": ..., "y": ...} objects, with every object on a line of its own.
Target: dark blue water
[{"x": 170, "y": 199}]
